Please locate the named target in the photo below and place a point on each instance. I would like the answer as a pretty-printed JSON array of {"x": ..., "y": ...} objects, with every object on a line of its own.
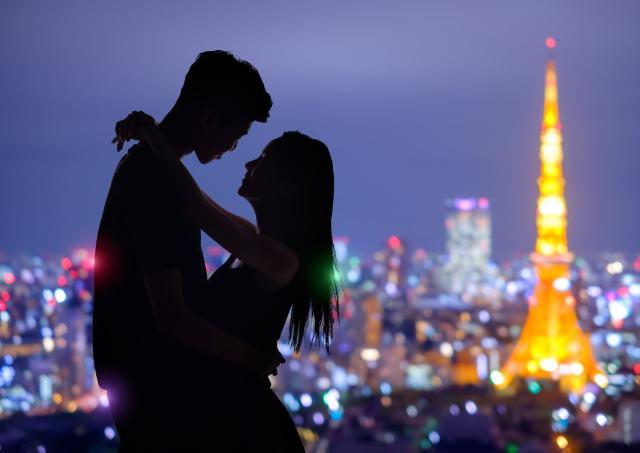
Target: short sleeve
[{"x": 156, "y": 224}]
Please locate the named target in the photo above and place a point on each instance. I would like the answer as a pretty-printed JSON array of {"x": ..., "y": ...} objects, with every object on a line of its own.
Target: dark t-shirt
[{"x": 143, "y": 229}]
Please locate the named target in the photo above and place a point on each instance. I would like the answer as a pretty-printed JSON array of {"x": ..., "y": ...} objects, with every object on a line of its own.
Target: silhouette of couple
[{"x": 185, "y": 359}]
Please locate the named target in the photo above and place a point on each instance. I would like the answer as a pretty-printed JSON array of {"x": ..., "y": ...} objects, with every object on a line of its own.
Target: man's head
[{"x": 219, "y": 100}]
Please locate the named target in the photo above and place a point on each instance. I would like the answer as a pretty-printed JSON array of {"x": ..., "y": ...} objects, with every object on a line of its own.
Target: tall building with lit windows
[
  {"x": 552, "y": 345},
  {"x": 372, "y": 310},
  {"x": 389, "y": 271},
  {"x": 468, "y": 224}
]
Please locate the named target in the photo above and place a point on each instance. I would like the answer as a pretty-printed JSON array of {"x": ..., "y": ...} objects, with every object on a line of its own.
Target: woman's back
[{"x": 238, "y": 301}]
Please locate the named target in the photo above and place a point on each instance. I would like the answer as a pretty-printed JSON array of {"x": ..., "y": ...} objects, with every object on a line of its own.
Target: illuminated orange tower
[{"x": 552, "y": 345}]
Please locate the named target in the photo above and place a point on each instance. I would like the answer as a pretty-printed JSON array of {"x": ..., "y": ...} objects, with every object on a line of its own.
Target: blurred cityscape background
[
  {"x": 489, "y": 257},
  {"x": 414, "y": 365}
]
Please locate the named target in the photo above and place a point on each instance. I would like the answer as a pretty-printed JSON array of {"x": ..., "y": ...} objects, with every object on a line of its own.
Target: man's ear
[{"x": 210, "y": 119}]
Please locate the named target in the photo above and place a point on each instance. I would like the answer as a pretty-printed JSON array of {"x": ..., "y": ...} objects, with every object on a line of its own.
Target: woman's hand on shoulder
[{"x": 132, "y": 128}]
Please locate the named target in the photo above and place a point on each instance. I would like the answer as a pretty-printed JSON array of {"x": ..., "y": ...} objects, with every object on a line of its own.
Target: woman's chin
[{"x": 246, "y": 193}]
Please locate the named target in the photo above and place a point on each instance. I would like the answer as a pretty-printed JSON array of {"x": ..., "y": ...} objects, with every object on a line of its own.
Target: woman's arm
[
  {"x": 162, "y": 150},
  {"x": 242, "y": 221},
  {"x": 266, "y": 255},
  {"x": 262, "y": 253}
]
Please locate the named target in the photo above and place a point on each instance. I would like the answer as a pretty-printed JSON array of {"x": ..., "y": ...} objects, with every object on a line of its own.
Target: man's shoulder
[
  {"x": 138, "y": 157},
  {"x": 138, "y": 167}
]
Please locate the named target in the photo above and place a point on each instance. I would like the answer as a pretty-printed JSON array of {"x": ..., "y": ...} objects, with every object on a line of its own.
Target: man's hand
[{"x": 132, "y": 127}]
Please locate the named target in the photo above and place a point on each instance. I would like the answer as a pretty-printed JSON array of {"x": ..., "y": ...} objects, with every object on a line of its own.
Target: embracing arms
[
  {"x": 157, "y": 238},
  {"x": 235, "y": 234},
  {"x": 240, "y": 220},
  {"x": 174, "y": 319}
]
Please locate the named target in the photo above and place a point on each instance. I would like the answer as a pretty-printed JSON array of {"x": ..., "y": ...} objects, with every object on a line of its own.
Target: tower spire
[
  {"x": 552, "y": 345},
  {"x": 551, "y": 217}
]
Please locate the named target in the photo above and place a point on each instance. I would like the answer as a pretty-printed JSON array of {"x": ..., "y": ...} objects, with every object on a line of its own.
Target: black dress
[{"x": 246, "y": 414}]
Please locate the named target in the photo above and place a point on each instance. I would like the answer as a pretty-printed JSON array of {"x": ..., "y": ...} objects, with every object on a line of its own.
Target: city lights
[
  {"x": 370, "y": 354},
  {"x": 562, "y": 441},
  {"x": 453, "y": 345},
  {"x": 367, "y": 362}
]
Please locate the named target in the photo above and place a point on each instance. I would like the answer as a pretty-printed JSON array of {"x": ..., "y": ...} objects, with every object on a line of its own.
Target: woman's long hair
[{"x": 316, "y": 300}]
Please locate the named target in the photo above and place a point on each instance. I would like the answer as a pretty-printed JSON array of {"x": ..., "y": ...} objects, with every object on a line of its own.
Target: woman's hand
[{"x": 132, "y": 128}]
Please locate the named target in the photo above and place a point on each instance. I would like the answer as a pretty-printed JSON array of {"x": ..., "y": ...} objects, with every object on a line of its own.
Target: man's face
[{"x": 218, "y": 134}]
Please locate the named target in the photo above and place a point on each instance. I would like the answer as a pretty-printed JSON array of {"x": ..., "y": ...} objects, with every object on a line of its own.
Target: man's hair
[{"x": 218, "y": 79}]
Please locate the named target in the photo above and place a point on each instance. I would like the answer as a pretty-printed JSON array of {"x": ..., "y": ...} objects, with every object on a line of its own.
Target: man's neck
[{"x": 176, "y": 135}]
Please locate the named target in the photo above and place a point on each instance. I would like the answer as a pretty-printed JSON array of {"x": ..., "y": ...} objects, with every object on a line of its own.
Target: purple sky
[{"x": 418, "y": 101}]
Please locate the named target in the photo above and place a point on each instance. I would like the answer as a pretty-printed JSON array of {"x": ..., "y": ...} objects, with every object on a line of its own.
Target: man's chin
[{"x": 205, "y": 159}]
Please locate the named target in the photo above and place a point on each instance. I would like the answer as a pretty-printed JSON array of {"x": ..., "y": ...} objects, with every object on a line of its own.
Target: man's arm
[{"x": 174, "y": 319}]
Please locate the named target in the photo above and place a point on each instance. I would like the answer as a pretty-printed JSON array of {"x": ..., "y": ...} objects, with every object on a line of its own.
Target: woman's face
[{"x": 266, "y": 176}]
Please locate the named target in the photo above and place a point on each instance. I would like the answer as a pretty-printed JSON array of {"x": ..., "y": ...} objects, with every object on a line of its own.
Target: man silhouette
[{"x": 150, "y": 270}]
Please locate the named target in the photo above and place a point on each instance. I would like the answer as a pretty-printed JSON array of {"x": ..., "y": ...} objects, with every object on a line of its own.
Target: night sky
[{"x": 418, "y": 101}]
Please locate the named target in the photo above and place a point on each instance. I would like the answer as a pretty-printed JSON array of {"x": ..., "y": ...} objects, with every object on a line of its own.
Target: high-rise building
[
  {"x": 468, "y": 224},
  {"x": 372, "y": 321},
  {"x": 395, "y": 270},
  {"x": 552, "y": 345}
]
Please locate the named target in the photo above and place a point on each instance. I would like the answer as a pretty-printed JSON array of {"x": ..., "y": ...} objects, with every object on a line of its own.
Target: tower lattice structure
[{"x": 552, "y": 344}]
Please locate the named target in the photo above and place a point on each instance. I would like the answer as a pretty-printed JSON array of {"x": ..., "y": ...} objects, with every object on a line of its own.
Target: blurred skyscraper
[{"x": 468, "y": 225}]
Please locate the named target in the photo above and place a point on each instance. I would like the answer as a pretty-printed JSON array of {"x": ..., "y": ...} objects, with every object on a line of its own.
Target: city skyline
[
  {"x": 405, "y": 350},
  {"x": 485, "y": 251},
  {"x": 455, "y": 111}
]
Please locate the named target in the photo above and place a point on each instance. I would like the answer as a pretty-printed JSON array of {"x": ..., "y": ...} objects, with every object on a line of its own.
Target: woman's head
[
  {"x": 293, "y": 179},
  {"x": 293, "y": 165}
]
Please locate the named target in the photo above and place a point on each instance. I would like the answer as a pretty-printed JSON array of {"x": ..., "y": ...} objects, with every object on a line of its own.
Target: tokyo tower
[{"x": 552, "y": 345}]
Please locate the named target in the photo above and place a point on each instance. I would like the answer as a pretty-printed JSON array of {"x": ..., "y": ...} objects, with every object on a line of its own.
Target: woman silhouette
[{"x": 283, "y": 266}]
